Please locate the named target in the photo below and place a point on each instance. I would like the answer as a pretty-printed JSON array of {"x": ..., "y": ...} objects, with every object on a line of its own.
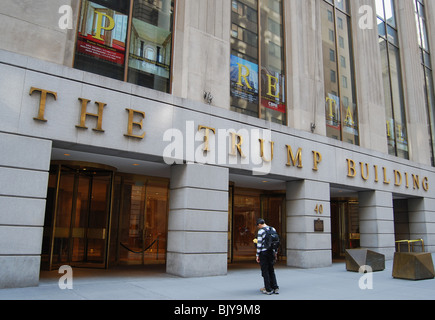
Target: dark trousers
[{"x": 267, "y": 260}]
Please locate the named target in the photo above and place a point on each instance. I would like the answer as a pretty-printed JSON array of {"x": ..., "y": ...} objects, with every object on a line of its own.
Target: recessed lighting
[
  {"x": 136, "y": 164},
  {"x": 67, "y": 155}
]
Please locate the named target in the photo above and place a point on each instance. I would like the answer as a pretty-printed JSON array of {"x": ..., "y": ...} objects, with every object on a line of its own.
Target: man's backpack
[{"x": 271, "y": 239}]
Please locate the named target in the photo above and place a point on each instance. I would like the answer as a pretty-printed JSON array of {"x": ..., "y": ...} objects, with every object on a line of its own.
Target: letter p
[{"x": 100, "y": 25}]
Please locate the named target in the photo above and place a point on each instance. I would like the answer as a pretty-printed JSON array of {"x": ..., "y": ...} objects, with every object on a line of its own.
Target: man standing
[{"x": 266, "y": 258}]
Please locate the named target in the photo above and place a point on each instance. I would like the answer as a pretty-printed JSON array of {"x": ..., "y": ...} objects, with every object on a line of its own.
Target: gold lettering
[
  {"x": 239, "y": 83},
  {"x": 366, "y": 176},
  {"x": 376, "y": 173},
  {"x": 262, "y": 150},
  {"x": 416, "y": 180},
  {"x": 206, "y": 136},
  {"x": 237, "y": 146},
  {"x": 425, "y": 184},
  {"x": 131, "y": 122},
  {"x": 407, "y": 182},
  {"x": 397, "y": 178},
  {"x": 99, "y": 116},
  {"x": 385, "y": 176},
  {"x": 351, "y": 172},
  {"x": 291, "y": 159},
  {"x": 317, "y": 158},
  {"x": 388, "y": 129},
  {"x": 330, "y": 102},
  {"x": 349, "y": 117},
  {"x": 100, "y": 26},
  {"x": 42, "y": 101},
  {"x": 269, "y": 78}
]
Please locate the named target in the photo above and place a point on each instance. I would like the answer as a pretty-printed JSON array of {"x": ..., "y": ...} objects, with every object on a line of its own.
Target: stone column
[
  {"x": 198, "y": 221},
  {"x": 202, "y": 49},
  {"x": 24, "y": 165},
  {"x": 376, "y": 216},
  {"x": 308, "y": 201},
  {"x": 422, "y": 222}
]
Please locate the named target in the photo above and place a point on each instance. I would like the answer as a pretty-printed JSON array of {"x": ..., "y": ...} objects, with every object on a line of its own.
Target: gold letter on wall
[
  {"x": 206, "y": 136},
  {"x": 99, "y": 116},
  {"x": 131, "y": 114},
  {"x": 291, "y": 159},
  {"x": 42, "y": 101}
]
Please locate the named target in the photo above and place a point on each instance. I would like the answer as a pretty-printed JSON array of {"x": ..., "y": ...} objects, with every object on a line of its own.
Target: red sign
[
  {"x": 270, "y": 104},
  {"x": 93, "y": 47}
]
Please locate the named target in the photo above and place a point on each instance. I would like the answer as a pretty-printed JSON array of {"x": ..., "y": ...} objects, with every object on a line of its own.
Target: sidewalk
[{"x": 242, "y": 283}]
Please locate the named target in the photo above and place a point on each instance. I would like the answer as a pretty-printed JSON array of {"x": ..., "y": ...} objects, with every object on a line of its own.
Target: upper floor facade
[{"x": 355, "y": 71}]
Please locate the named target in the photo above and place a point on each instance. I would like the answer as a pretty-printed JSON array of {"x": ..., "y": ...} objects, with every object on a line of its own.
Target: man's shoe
[
  {"x": 263, "y": 290},
  {"x": 276, "y": 291}
]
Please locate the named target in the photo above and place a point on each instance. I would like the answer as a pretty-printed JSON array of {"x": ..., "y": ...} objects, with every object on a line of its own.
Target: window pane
[
  {"x": 340, "y": 100},
  {"x": 273, "y": 100},
  {"x": 347, "y": 84},
  {"x": 431, "y": 110},
  {"x": 101, "y": 39},
  {"x": 151, "y": 44},
  {"x": 244, "y": 71},
  {"x": 332, "y": 99},
  {"x": 389, "y": 13},
  {"x": 380, "y": 8},
  {"x": 381, "y": 28},
  {"x": 343, "y": 5},
  {"x": 398, "y": 103},
  {"x": 387, "y": 96},
  {"x": 248, "y": 71},
  {"x": 392, "y": 35}
]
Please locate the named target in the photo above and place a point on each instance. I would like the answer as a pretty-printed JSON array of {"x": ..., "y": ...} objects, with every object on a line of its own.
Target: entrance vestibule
[
  {"x": 96, "y": 217},
  {"x": 245, "y": 207}
]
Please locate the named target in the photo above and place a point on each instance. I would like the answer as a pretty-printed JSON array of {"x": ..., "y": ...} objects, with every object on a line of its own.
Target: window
[
  {"x": 340, "y": 101},
  {"x": 257, "y": 59},
  {"x": 420, "y": 19},
  {"x": 392, "y": 78},
  {"x": 103, "y": 45}
]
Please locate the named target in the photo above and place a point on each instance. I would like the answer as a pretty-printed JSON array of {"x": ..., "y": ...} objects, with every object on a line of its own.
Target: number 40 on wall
[{"x": 318, "y": 209}]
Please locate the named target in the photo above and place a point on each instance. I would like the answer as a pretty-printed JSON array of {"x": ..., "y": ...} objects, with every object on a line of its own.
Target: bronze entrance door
[
  {"x": 139, "y": 224},
  {"x": 77, "y": 216},
  {"x": 246, "y": 206},
  {"x": 345, "y": 232}
]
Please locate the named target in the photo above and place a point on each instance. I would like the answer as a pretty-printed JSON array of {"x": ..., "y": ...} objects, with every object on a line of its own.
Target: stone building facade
[{"x": 142, "y": 132}]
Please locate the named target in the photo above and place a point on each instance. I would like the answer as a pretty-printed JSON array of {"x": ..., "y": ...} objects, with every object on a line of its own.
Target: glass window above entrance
[
  {"x": 129, "y": 40},
  {"x": 257, "y": 59}
]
